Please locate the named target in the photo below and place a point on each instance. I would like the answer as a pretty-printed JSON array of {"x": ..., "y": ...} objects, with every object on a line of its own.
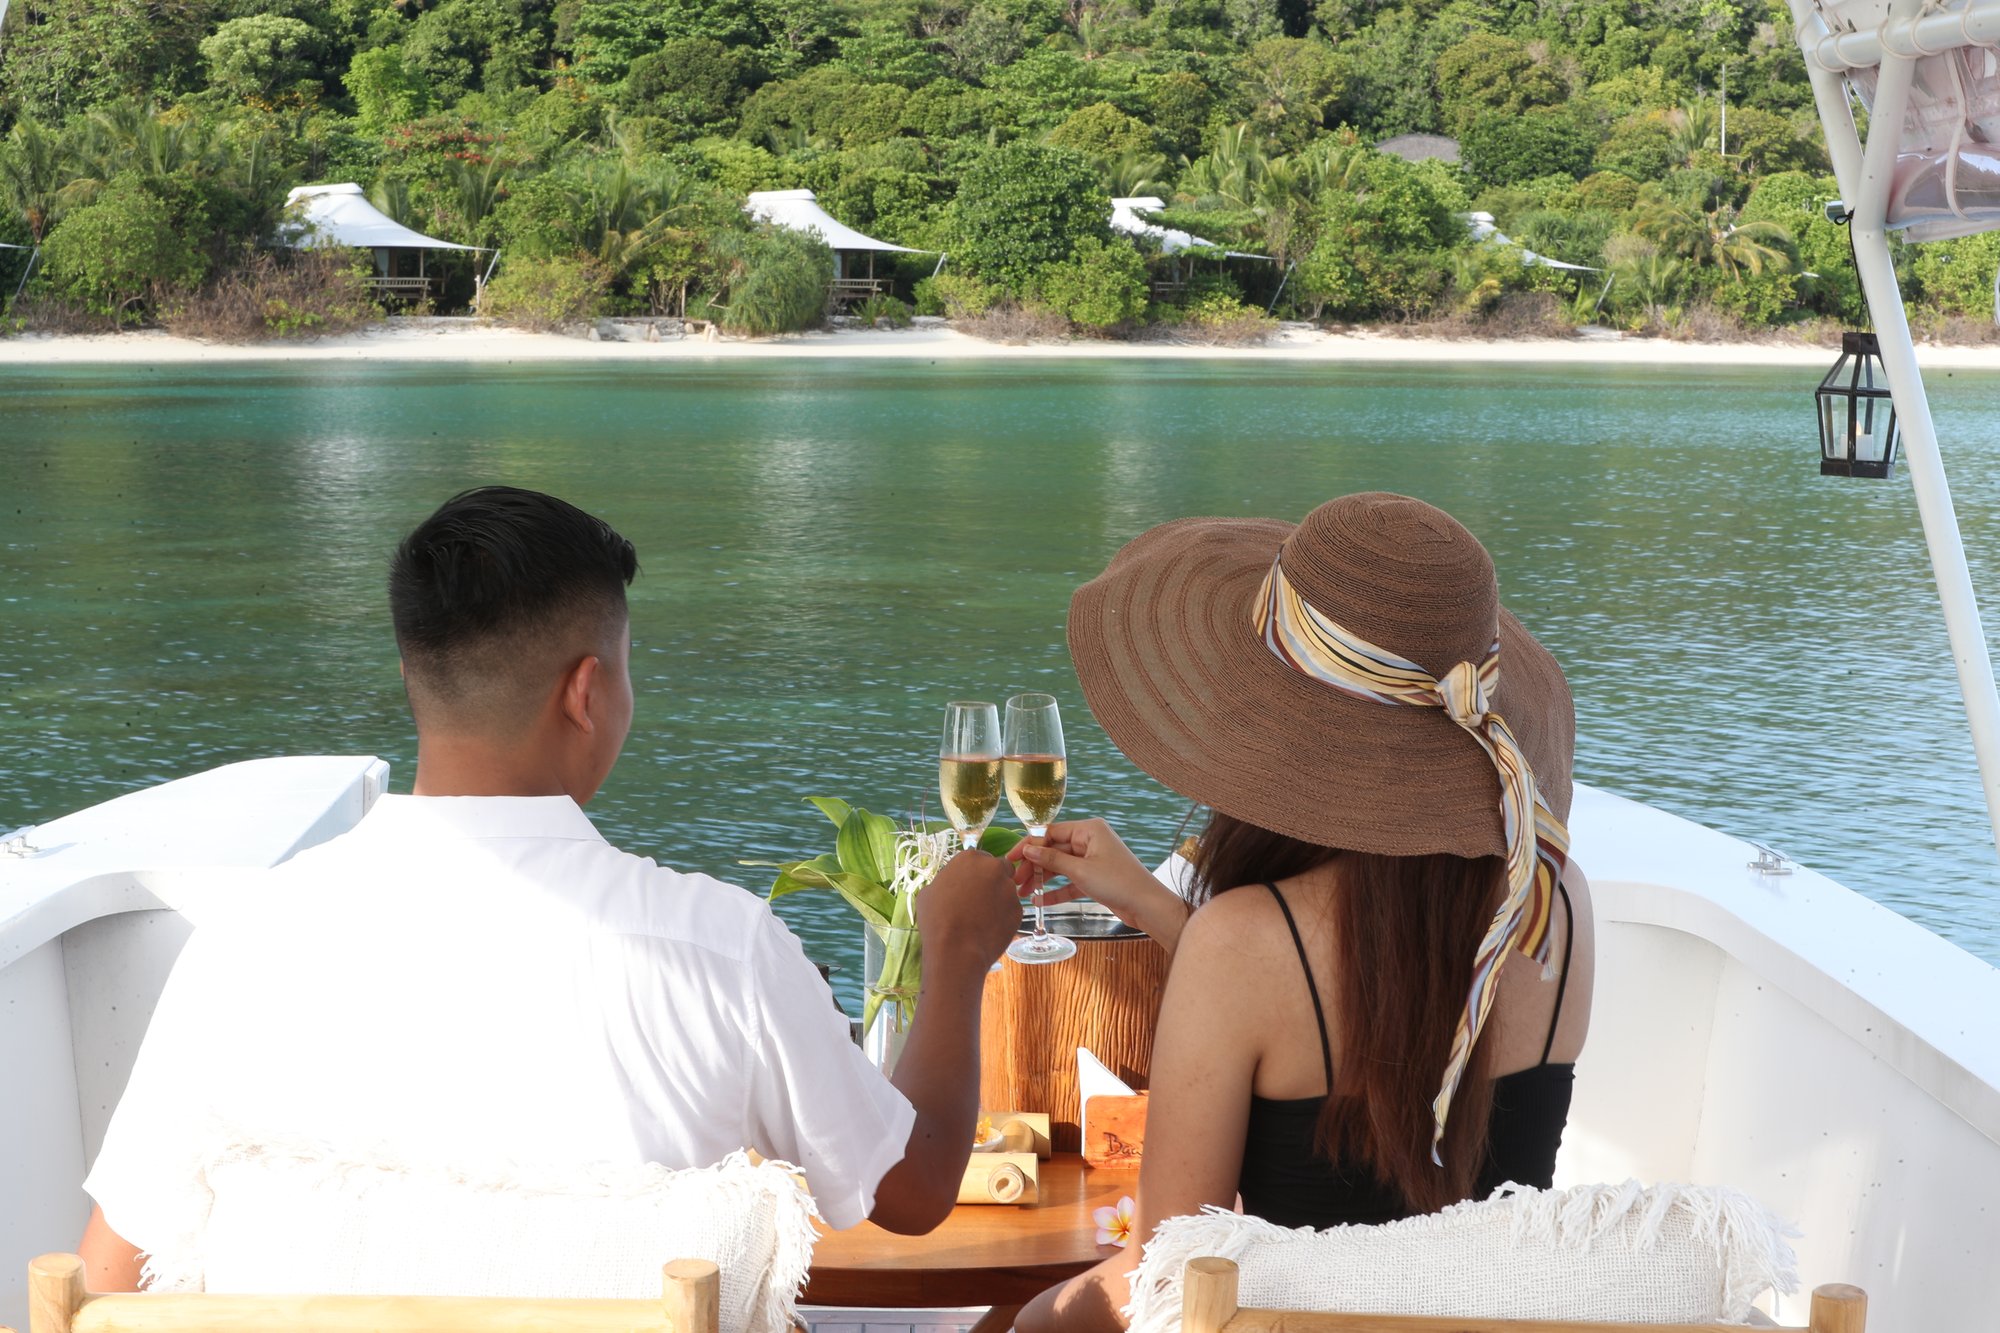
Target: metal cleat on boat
[
  {"x": 1770, "y": 861},
  {"x": 16, "y": 843}
]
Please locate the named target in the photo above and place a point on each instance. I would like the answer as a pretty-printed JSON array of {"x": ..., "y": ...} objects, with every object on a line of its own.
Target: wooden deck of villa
[
  {"x": 401, "y": 289},
  {"x": 853, "y": 291}
]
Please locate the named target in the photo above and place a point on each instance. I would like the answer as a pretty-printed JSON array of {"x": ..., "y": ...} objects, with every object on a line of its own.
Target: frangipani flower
[{"x": 1114, "y": 1225}]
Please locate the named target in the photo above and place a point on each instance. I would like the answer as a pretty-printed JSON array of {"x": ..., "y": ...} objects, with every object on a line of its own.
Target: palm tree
[
  {"x": 1717, "y": 240},
  {"x": 391, "y": 197},
  {"x": 35, "y": 167},
  {"x": 1227, "y": 175},
  {"x": 631, "y": 210},
  {"x": 137, "y": 136},
  {"x": 479, "y": 186},
  {"x": 1693, "y": 129},
  {"x": 1132, "y": 173}
]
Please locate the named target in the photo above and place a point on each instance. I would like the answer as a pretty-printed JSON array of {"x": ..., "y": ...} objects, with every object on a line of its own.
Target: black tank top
[{"x": 1285, "y": 1179}]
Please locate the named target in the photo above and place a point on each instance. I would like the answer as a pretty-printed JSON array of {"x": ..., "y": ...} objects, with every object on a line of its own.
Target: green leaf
[
  {"x": 873, "y": 901},
  {"x": 867, "y": 846},
  {"x": 999, "y": 841},
  {"x": 832, "y": 807},
  {"x": 796, "y": 875}
]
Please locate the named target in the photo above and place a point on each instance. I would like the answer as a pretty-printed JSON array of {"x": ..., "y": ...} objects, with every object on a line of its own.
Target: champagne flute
[
  {"x": 969, "y": 768},
  {"x": 1034, "y": 771}
]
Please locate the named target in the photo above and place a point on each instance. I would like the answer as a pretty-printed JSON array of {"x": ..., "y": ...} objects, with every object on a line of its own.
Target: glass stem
[{"x": 1041, "y": 920}]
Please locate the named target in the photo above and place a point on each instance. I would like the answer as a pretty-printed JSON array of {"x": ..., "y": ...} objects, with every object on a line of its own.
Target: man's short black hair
[{"x": 495, "y": 588}]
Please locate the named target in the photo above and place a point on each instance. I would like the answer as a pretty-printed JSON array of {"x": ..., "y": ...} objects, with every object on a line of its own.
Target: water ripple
[{"x": 191, "y": 572}]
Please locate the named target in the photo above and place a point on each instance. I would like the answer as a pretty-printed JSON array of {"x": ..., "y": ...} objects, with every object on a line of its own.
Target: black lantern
[{"x": 1857, "y": 418}]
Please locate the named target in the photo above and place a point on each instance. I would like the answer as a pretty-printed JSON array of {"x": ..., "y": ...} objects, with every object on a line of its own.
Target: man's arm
[
  {"x": 965, "y": 918},
  {"x": 110, "y": 1262}
]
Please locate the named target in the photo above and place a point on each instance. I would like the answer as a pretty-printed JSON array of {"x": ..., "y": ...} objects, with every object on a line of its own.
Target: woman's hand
[{"x": 1098, "y": 865}]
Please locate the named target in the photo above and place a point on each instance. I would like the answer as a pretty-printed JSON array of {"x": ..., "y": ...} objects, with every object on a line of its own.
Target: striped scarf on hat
[{"x": 1537, "y": 843}]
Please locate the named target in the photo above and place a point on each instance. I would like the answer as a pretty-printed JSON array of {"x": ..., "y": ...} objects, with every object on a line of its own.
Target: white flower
[{"x": 919, "y": 856}]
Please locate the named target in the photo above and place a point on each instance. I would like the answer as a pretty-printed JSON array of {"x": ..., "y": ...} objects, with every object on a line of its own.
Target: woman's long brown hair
[{"x": 1405, "y": 932}]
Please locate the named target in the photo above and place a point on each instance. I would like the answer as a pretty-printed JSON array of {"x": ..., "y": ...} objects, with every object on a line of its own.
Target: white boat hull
[{"x": 1775, "y": 1033}]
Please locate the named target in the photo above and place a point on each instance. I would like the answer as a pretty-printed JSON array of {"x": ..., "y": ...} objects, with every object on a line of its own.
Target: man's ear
[{"x": 578, "y": 686}]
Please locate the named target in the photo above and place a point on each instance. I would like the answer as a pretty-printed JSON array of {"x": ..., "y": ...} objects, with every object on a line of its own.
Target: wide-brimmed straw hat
[{"x": 1178, "y": 669}]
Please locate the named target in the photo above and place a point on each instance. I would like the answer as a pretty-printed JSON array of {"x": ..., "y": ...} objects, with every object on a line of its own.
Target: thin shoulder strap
[
  {"x": 1312, "y": 988},
  {"x": 1569, "y": 952}
]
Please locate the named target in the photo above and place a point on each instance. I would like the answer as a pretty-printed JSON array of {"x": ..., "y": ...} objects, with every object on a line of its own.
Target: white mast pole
[{"x": 1864, "y": 176}]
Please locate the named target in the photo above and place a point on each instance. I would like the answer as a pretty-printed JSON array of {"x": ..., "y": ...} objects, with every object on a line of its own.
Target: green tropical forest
[{"x": 605, "y": 149}]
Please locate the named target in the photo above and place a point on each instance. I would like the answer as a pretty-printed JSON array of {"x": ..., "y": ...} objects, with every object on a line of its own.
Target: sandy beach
[{"x": 470, "y": 340}]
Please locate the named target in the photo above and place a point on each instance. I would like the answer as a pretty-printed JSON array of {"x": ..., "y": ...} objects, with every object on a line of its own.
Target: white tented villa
[
  {"x": 854, "y": 252},
  {"x": 1128, "y": 219},
  {"x": 327, "y": 215}
]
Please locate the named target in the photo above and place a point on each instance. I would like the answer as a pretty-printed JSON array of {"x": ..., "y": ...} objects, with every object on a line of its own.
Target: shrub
[
  {"x": 385, "y": 90},
  {"x": 1381, "y": 248},
  {"x": 39, "y": 312},
  {"x": 1102, "y": 130},
  {"x": 1022, "y": 208},
  {"x": 690, "y": 80},
  {"x": 775, "y": 282},
  {"x": 880, "y": 307},
  {"x": 954, "y": 295},
  {"x": 1017, "y": 322},
  {"x": 1547, "y": 141},
  {"x": 1797, "y": 202},
  {"x": 261, "y": 53},
  {"x": 1099, "y": 286},
  {"x": 1956, "y": 276},
  {"x": 299, "y": 294},
  {"x": 546, "y": 294},
  {"x": 116, "y": 250},
  {"x": 1607, "y": 191},
  {"x": 1214, "y": 318},
  {"x": 1641, "y": 146}
]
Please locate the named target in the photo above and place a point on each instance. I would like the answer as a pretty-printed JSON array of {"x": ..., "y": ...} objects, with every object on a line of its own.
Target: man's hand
[
  {"x": 965, "y": 917},
  {"x": 968, "y": 913}
]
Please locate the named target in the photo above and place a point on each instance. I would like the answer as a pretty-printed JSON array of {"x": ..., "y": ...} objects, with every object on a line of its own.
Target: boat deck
[{"x": 831, "y": 1319}]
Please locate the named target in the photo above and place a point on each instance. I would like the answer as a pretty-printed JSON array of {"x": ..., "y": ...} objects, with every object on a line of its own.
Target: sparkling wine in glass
[
  {"x": 969, "y": 768},
  {"x": 1035, "y": 771}
]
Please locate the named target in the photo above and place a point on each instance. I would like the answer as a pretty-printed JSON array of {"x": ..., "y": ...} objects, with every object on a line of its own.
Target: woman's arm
[
  {"x": 1098, "y": 865},
  {"x": 1205, "y": 1054}
]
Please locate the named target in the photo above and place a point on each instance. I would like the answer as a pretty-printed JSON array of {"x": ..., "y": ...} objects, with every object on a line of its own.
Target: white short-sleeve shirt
[{"x": 471, "y": 979}]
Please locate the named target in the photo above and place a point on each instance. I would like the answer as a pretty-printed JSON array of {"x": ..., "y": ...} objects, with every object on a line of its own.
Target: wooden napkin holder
[
  {"x": 1010, "y": 1173},
  {"x": 1001, "y": 1177},
  {"x": 1023, "y": 1131},
  {"x": 1116, "y": 1130}
]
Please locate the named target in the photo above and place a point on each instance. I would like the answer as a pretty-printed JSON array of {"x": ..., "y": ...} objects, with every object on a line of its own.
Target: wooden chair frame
[
  {"x": 57, "y": 1303},
  {"x": 1208, "y": 1305}
]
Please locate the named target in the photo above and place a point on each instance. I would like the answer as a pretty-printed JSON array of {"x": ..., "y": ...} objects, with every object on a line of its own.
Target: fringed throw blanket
[{"x": 1665, "y": 1254}]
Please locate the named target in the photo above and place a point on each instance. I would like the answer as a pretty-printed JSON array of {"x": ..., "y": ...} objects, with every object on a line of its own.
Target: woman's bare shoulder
[{"x": 1235, "y": 929}]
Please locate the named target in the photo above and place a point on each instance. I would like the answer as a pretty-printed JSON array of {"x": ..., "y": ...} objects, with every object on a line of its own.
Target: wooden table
[{"x": 984, "y": 1254}]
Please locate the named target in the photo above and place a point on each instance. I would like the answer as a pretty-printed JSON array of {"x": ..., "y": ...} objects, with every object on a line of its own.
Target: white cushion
[
  {"x": 298, "y": 1219},
  {"x": 1616, "y": 1253}
]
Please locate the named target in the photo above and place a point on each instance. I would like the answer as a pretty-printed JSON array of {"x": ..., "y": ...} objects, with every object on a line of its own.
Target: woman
[{"x": 1376, "y": 1010}]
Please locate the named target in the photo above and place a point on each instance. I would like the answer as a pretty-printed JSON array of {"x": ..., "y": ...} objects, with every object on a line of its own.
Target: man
[{"x": 472, "y": 973}]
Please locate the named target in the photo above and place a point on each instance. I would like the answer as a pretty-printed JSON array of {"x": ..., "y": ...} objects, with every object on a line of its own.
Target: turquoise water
[{"x": 192, "y": 560}]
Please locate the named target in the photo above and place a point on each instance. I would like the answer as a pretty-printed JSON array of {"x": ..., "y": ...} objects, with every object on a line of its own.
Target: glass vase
[{"x": 891, "y": 969}]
